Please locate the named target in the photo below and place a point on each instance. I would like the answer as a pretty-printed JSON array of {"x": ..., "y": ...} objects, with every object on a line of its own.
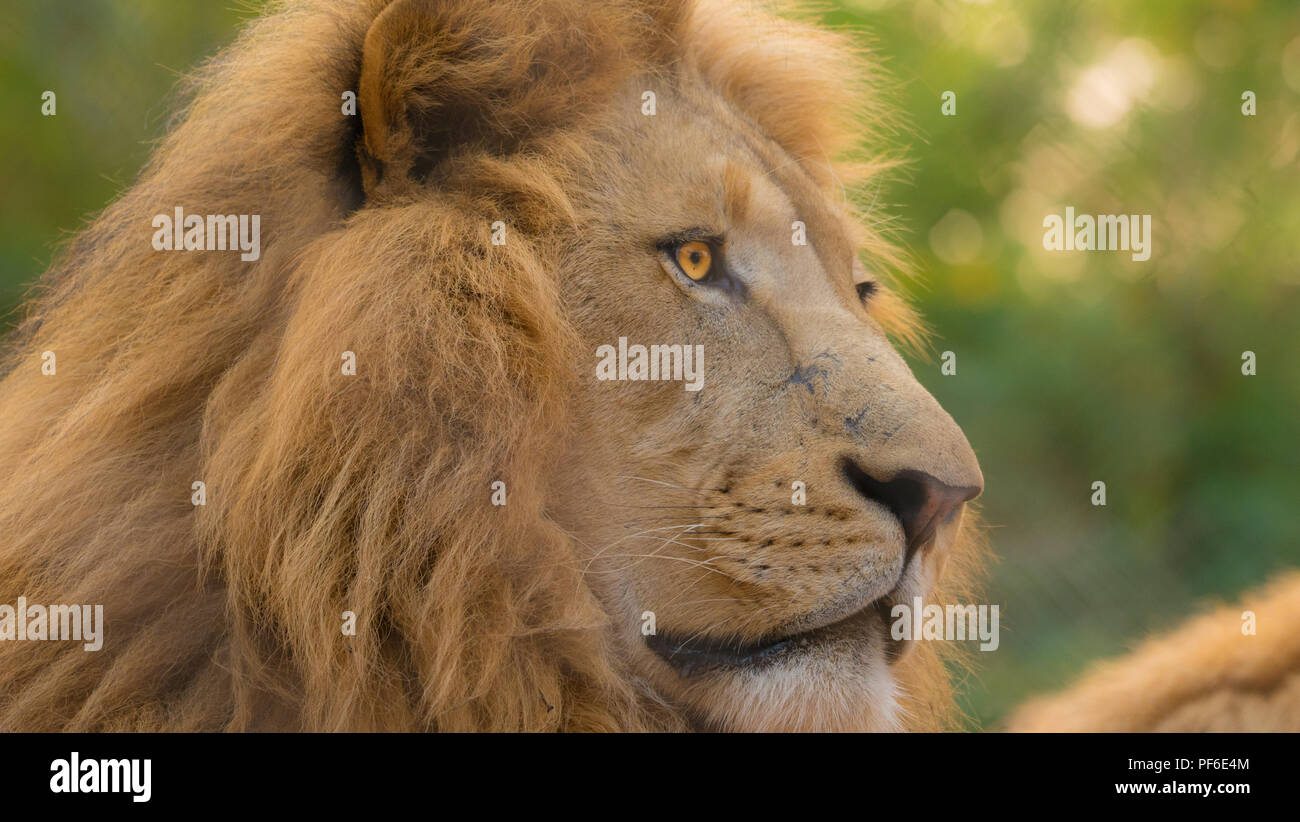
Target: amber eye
[{"x": 695, "y": 259}]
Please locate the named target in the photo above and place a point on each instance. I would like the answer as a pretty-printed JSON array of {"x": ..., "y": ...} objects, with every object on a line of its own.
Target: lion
[
  {"x": 370, "y": 480},
  {"x": 1234, "y": 668}
]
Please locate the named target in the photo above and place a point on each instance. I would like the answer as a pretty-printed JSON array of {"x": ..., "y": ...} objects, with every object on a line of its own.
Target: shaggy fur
[
  {"x": 1204, "y": 676},
  {"x": 369, "y": 493}
]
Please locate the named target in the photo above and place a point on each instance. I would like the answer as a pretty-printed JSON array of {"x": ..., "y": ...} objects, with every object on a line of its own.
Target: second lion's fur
[{"x": 1229, "y": 669}]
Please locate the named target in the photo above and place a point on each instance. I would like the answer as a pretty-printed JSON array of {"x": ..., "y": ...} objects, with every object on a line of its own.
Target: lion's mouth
[{"x": 698, "y": 654}]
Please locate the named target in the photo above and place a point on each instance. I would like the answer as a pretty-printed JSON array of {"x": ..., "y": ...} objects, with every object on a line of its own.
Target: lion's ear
[
  {"x": 396, "y": 39},
  {"x": 439, "y": 76}
]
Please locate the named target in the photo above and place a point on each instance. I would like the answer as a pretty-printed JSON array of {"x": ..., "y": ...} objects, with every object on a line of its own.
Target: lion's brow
[{"x": 735, "y": 188}]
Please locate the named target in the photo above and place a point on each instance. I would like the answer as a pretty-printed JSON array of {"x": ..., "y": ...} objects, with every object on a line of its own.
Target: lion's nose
[{"x": 920, "y": 501}]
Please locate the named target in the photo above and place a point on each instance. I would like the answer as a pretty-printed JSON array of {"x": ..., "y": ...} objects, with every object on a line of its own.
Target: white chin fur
[{"x": 808, "y": 695}]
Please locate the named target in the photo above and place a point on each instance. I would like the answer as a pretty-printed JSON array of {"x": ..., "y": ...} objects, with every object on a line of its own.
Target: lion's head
[{"x": 527, "y": 539}]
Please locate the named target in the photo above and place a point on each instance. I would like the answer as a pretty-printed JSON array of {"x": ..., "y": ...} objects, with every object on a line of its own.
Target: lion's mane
[{"x": 369, "y": 493}]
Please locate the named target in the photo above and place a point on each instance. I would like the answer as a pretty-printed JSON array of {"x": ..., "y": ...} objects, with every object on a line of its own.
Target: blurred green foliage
[
  {"x": 113, "y": 67},
  {"x": 1071, "y": 367}
]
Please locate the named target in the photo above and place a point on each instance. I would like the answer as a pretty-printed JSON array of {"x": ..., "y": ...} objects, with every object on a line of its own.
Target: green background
[{"x": 1071, "y": 367}]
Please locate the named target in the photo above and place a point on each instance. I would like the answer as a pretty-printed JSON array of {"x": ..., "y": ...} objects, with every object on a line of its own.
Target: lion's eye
[
  {"x": 862, "y": 282},
  {"x": 695, "y": 259}
]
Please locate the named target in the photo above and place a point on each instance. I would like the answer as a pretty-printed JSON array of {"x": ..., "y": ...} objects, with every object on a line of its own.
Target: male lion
[{"x": 394, "y": 411}]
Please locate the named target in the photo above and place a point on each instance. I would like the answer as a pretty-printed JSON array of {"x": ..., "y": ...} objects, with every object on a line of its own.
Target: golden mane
[{"x": 367, "y": 494}]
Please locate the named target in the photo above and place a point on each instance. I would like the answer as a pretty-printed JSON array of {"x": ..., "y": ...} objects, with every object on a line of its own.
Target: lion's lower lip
[{"x": 694, "y": 655}]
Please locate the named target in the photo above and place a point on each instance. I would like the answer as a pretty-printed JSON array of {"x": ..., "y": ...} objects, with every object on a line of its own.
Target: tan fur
[
  {"x": 1204, "y": 676},
  {"x": 370, "y": 493}
]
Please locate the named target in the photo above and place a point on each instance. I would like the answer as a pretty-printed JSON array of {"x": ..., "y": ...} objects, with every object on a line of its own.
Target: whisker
[
  {"x": 598, "y": 554},
  {"x": 670, "y": 485},
  {"x": 715, "y": 599},
  {"x": 651, "y": 507},
  {"x": 703, "y": 564}
]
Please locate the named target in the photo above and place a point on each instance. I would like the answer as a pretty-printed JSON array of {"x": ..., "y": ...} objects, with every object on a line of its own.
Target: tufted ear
[{"x": 441, "y": 76}]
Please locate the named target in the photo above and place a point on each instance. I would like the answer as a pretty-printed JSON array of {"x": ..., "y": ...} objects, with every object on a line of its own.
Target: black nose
[{"x": 919, "y": 500}]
